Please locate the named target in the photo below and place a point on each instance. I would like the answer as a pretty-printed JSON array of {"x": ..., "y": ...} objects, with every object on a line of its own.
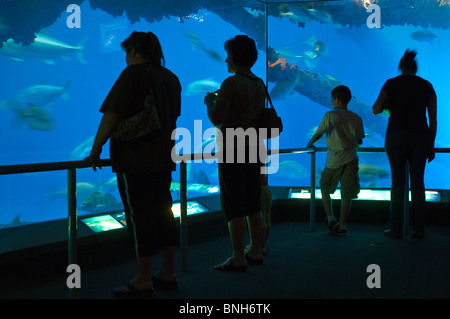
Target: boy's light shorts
[{"x": 347, "y": 175}]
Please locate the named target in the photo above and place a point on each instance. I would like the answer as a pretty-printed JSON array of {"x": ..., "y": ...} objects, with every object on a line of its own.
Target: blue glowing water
[{"x": 360, "y": 58}]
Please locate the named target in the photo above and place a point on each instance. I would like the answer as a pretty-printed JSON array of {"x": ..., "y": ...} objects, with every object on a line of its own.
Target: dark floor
[{"x": 300, "y": 265}]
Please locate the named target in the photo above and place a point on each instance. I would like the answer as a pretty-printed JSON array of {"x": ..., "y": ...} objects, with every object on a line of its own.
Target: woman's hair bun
[{"x": 409, "y": 54}]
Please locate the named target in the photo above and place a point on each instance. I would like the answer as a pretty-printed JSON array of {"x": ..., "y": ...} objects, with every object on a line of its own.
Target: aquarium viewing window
[{"x": 65, "y": 62}]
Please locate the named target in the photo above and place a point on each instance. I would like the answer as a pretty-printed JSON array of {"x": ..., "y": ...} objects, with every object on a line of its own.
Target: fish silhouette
[
  {"x": 100, "y": 202},
  {"x": 44, "y": 47}
]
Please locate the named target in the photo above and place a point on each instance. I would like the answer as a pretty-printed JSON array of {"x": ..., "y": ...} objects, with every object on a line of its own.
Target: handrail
[
  {"x": 55, "y": 166},
  {"x": 72, "y": 166},
  {"x": 47, "y": 167}
]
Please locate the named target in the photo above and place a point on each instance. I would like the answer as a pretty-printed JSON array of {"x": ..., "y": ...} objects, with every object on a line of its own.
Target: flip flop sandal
[
  {"x": 229, "y": 266},
  {"x": 133, "y": 293}
]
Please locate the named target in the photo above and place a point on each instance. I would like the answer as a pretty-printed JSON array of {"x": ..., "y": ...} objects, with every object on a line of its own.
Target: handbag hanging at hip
[
  {"x": 269, "y": 120},
  {"x": 141, "y": 127}
]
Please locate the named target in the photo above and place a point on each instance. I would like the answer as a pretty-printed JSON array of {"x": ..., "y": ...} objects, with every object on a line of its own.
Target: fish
[
  {"x": 291, "y": 169},
  {"x": 319, "y": 14},
  {"x": 100, "y": 202},
  {"x": 41, "y": 95},
  {"x": 197, "y": 44},
  {"x": 83, "y": 190},
  {"x": 333, "y": 81},
  {"x": 294, "y": 18},
  {"x": 284, "y": 88},
  {"x": 44, "y": 47},
  {"x": 424, "y": 36},
  {"x": 83, "y": 149},
  {"x": 310, "y": 58},
  {"x": 288, "y": 53},
  {"x": 37, "y": 118},
  {"x": 111, "y": 183},
  {"x": 294, "y": 13},
  {"x": 320, "y": 48},
  {"x": 201, "y": 87},
  {"x": 371, "y": 174}
]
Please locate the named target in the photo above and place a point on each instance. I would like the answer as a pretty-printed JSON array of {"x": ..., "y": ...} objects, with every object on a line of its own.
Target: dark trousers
[
  {"x": 403, "y": 148},
  {"x": 147, "y": 196}
]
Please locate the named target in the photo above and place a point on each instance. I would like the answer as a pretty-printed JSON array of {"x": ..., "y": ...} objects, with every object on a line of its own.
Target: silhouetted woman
[
  {"x": 144, "y": 167},
  {"x": 409, "y": 139},
  {"x": 239, "y": 104}
]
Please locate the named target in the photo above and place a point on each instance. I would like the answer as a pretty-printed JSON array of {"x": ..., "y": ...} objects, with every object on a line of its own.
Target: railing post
[
  {"x": 72, "y": 220},
  {"x": 183, "y": 215},
  {"x": 312, "y": 199},
  {"x": 406, "y": 216}
]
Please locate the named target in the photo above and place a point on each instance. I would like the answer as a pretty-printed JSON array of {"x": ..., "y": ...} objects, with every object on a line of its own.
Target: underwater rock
[{"x": 346, "y": 13}]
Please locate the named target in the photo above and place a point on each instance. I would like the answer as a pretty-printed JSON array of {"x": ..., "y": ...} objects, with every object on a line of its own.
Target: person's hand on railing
[
  {"x": 94, "y": 158},
  {"x": 431, "y": 155}
]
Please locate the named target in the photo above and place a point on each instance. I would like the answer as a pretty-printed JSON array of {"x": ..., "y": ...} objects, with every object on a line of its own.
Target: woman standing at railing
[
  {"x": 239, "y": 104},
  {"x": 142, "y": 158},
  {"x": 409, "y": 139}
]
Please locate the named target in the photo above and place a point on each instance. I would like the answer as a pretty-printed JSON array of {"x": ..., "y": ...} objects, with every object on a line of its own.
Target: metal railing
[{"x": 72, "y": 166}]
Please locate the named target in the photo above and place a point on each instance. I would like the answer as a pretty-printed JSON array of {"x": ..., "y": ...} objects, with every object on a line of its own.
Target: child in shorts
[{"x": 344, "y": 131}]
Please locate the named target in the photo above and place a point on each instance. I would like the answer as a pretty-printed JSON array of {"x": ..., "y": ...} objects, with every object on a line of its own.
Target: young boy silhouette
[{"x": 344, "y": 131}]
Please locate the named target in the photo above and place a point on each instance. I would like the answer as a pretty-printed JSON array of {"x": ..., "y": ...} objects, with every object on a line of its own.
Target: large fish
[
  {"x": 284, "y": 88},
  {"x": 424, "y": 36},
  {"x": 100, "y": 202},
  {"x": 42, "y": 95},
  {"x": 83, "y": 189},
  {"x": 83, "y": 149},
  {"x": 291, "y": 169},
  {"x": 370, "y": 174},
  {"x": 294, "y": 13},
  {"x": 44, "y": 47},
  {"x": 197, "y": 44},
  {"x": 320, "y": 14},
  {"x": 201, "y": 87},
  {"x": 37, "y": 118}
]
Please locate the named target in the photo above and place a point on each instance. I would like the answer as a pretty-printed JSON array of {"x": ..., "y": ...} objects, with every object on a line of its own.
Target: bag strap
[{"x": 265, "y": 87}]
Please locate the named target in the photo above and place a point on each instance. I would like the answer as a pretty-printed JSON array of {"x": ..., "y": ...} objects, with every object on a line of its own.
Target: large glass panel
[
  {"x": 57, "y": 74},
  {"x": 315, "y": 46},
  {"x": 39, "y": 197}
]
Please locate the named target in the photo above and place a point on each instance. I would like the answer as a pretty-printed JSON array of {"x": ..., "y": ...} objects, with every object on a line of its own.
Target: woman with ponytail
[
  {"x": 144, "y": 167},
  {"x": 409, "y": 139}
]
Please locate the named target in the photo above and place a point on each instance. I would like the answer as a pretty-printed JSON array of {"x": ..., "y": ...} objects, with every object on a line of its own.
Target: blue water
[{"x": 360, "y": 58}]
